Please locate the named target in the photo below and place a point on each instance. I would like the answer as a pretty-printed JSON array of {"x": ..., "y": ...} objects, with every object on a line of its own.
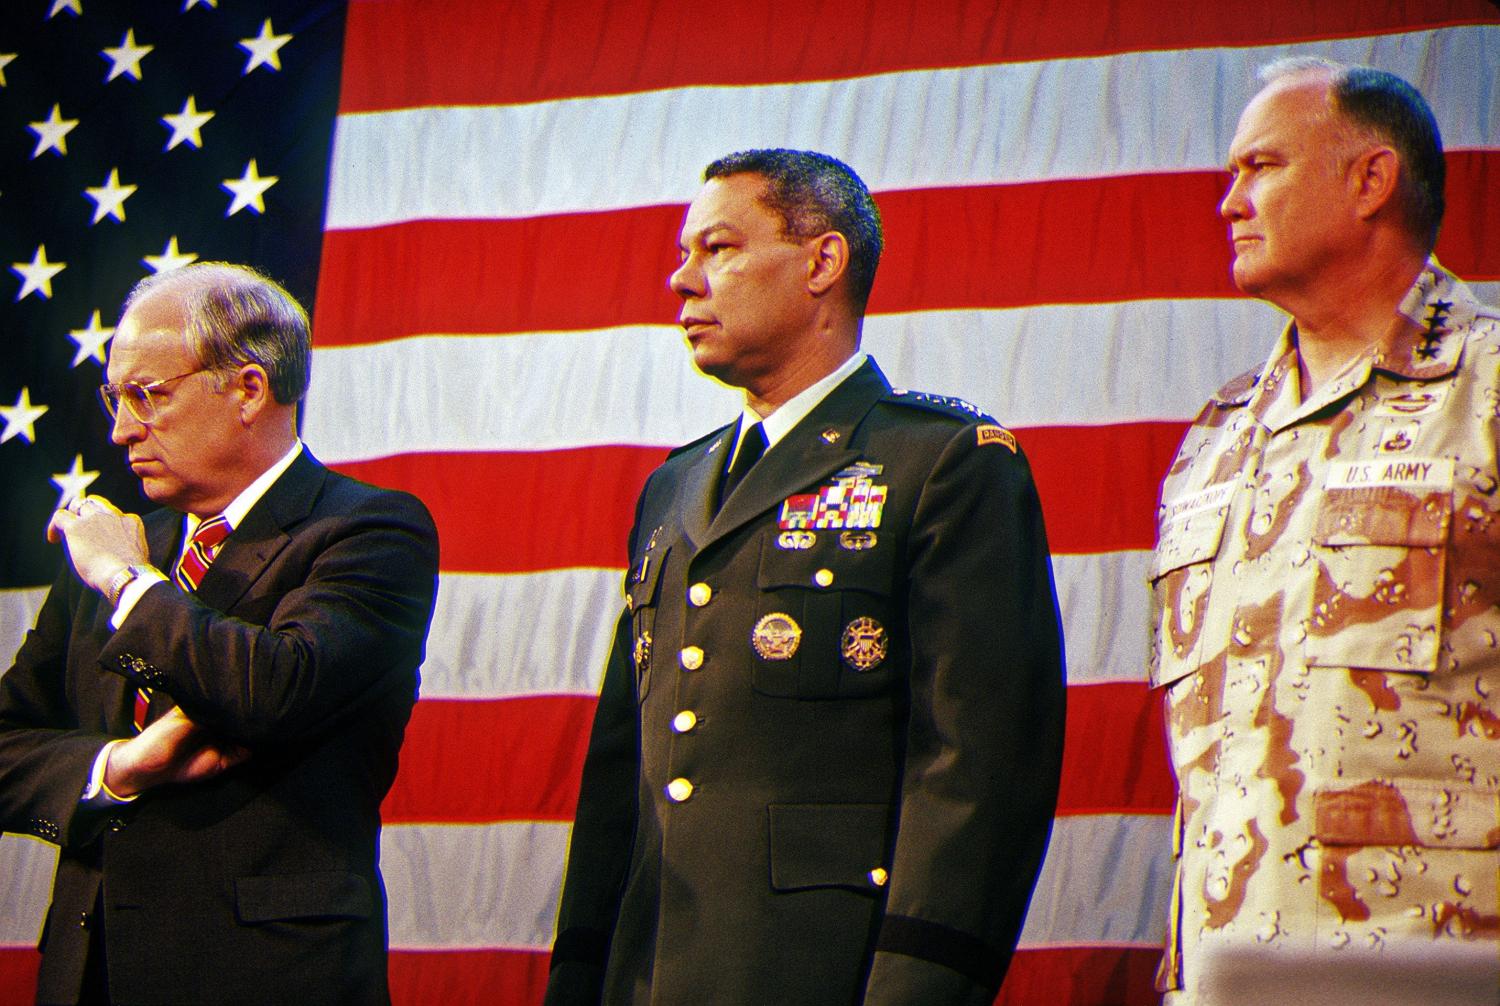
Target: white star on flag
[
  {"x": 73, "y": 482},
  {"x": 186, "y": 123},
  {"x": 21, "y": 417},
  {"x": 193, "y": 3},
  {"x": 248, "y": 189},
  {"x": 262, "y": 48},
  {"x": 170, "y": 258},
  {"x": 109, "y": 198},
  {"x": 126, "y": 57},
  {"x": 91, "y": 341},
  {"x": 6, "y": 58},
  {"x": 51, "y": 132},
  {"x": 37, "y": 274},
  {"x": 58, "y": 6}
]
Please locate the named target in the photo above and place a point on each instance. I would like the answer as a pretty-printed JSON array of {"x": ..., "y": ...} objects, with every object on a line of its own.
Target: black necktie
[{"x": 751, "y": 449}]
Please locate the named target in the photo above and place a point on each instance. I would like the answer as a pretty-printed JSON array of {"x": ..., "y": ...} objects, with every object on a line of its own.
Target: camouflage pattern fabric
[{"x": 1325, "y": 632}]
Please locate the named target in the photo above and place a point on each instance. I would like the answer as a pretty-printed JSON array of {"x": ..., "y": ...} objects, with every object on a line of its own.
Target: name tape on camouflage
[{"x": 1410, "y": 473}]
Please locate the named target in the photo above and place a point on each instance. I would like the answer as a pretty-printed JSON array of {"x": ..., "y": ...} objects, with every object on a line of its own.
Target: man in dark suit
[
  {"x": 826, "y": 753},
  {"x": 208, "y": 713}
]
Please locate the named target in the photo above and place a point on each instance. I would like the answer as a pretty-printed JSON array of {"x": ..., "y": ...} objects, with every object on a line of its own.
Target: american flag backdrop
[{"x": 480, "y": 200}]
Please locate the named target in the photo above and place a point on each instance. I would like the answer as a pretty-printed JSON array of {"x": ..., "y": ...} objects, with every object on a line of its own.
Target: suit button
[
  {"x": 692, "y": 657},
  {"x": 700, "y": 594},
  {"x": 878, "y": 877},
  {"x": 823, "y": 578},
  {"x": 684, "y": 721},
  {"x": 678, "y": 790}
]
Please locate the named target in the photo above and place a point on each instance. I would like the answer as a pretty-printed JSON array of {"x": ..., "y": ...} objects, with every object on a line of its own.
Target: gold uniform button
[
  {"x": 823, "y": 578},
  {"x": 678, "y": 790},
  {"x": 700, "y": 594},
  {"x": 878, "y": 877},
  {"x": 692, "y": 657},
  {"x": 684, "y": 721}
]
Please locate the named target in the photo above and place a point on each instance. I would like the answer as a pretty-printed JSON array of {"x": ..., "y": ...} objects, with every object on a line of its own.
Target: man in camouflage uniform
[{"x": 1326, "y": 580}]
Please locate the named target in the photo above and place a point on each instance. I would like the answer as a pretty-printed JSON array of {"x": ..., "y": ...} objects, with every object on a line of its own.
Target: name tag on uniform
[
  {"x": 1212, "y": 498},
  {"x": 1407, "y": 473}
]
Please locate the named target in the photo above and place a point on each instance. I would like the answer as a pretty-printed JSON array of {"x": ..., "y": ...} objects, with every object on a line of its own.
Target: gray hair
[
  {"x": 1380, "y": 107},
  {"x": 236, "y": 316}
]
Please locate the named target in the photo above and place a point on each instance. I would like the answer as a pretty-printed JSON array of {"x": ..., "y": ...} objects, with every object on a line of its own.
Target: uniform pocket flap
[
  {"x": 644, "y": 575},
  {"x": 838, "y": 560},
  {"x": 334, "y": 894},
  {"x": 1190, "y": 529},
  {"x": 827, "y": 845},
  {"x": 1383, "y": 515},
  {"x": 1405, "y": 813}
]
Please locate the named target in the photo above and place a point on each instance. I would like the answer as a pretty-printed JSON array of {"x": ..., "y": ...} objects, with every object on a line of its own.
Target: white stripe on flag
[{"x": 1132, "y": 113}]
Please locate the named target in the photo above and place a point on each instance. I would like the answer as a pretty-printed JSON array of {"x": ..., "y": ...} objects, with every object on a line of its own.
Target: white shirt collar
[
  {"x": 781, "y": 422},
  {"x": 238, "y": 507}
]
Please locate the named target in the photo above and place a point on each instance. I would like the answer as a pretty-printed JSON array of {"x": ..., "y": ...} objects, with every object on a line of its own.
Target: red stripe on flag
[
  {"x": 1099, "y": 485},
  {"x": 478, "y": 761},
  {"x": 477, "y": 52},
  {"x": 993, "y": 246},
  {"x": 519, "y": 512},
  {"x": 1117, "y": 976},
  {"x": 454, "y": 977},
  {"x": 18, "y": 970},
  {"x": 1115, "y": 752},
  {"x": 520, "y": 759},
  {"x": 514, "y": 512}
]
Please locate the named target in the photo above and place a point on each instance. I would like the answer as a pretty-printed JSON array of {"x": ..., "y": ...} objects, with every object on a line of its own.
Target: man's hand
[
  {"x": 174, "y": 749},
  {"x": 101, "y": 540}
]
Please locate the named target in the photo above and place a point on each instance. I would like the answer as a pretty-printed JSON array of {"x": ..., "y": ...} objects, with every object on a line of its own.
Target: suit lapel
[
  {"x": 261, "y": 535},
  {"x": 700, "y": 484},
  {"x": 816, "y": 448}
]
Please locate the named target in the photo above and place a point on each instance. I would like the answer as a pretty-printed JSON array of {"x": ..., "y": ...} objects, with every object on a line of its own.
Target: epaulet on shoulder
[
  {"x": 1237, "y": 391},
  {"x": 944, "y": 404},
  {"x": 721, "y": 431}
]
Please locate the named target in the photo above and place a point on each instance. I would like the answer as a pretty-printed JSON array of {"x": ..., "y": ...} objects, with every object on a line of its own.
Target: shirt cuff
[
  {"x": 133, "y": 592},
  {"x": 96, "y": 794}
]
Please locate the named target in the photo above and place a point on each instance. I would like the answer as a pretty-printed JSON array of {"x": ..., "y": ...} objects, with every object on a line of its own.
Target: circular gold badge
[
  {"x": 864, "y": 644},
  {"x": 776, "y": 636},
  {"x": 643, "y": 652}
]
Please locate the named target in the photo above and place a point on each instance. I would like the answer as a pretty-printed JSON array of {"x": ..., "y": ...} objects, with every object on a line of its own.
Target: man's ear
[
  {"x": 1374, "y": 177},
  {"x": 828, "y": 262},
  {"x": 253, "y": 385}
]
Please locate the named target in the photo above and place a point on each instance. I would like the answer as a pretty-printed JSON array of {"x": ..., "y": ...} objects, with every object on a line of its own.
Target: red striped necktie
[{"x": 196, "y": 558}]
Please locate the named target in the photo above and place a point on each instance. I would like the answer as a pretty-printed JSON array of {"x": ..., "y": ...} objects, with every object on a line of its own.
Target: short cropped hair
[
  {"x": 814, "y": 193},
  {"x": 1382, "y": 107},
  {"x": 236, "y": 315}
]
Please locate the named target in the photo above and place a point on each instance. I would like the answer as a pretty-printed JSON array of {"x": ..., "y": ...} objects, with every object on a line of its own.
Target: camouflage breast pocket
[
  {"x": 1380, "y": 554},
  {"x": 1189, "y": 534},
  {"x": 642, "y": 589},
  {"x": 824, "y": 623}
]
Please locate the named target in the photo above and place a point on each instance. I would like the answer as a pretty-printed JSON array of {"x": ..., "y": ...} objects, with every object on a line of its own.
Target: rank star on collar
[{"x": 248, "y": 189}]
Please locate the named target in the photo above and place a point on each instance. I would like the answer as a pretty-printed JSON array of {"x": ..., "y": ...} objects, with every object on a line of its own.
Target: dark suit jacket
[
  {"x": 856, "y": 831},
  {"x": 302, "y": 643}
]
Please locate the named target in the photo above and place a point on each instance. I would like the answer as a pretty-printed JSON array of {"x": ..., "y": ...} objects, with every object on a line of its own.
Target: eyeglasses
[{"x": 137, "y": 397}]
